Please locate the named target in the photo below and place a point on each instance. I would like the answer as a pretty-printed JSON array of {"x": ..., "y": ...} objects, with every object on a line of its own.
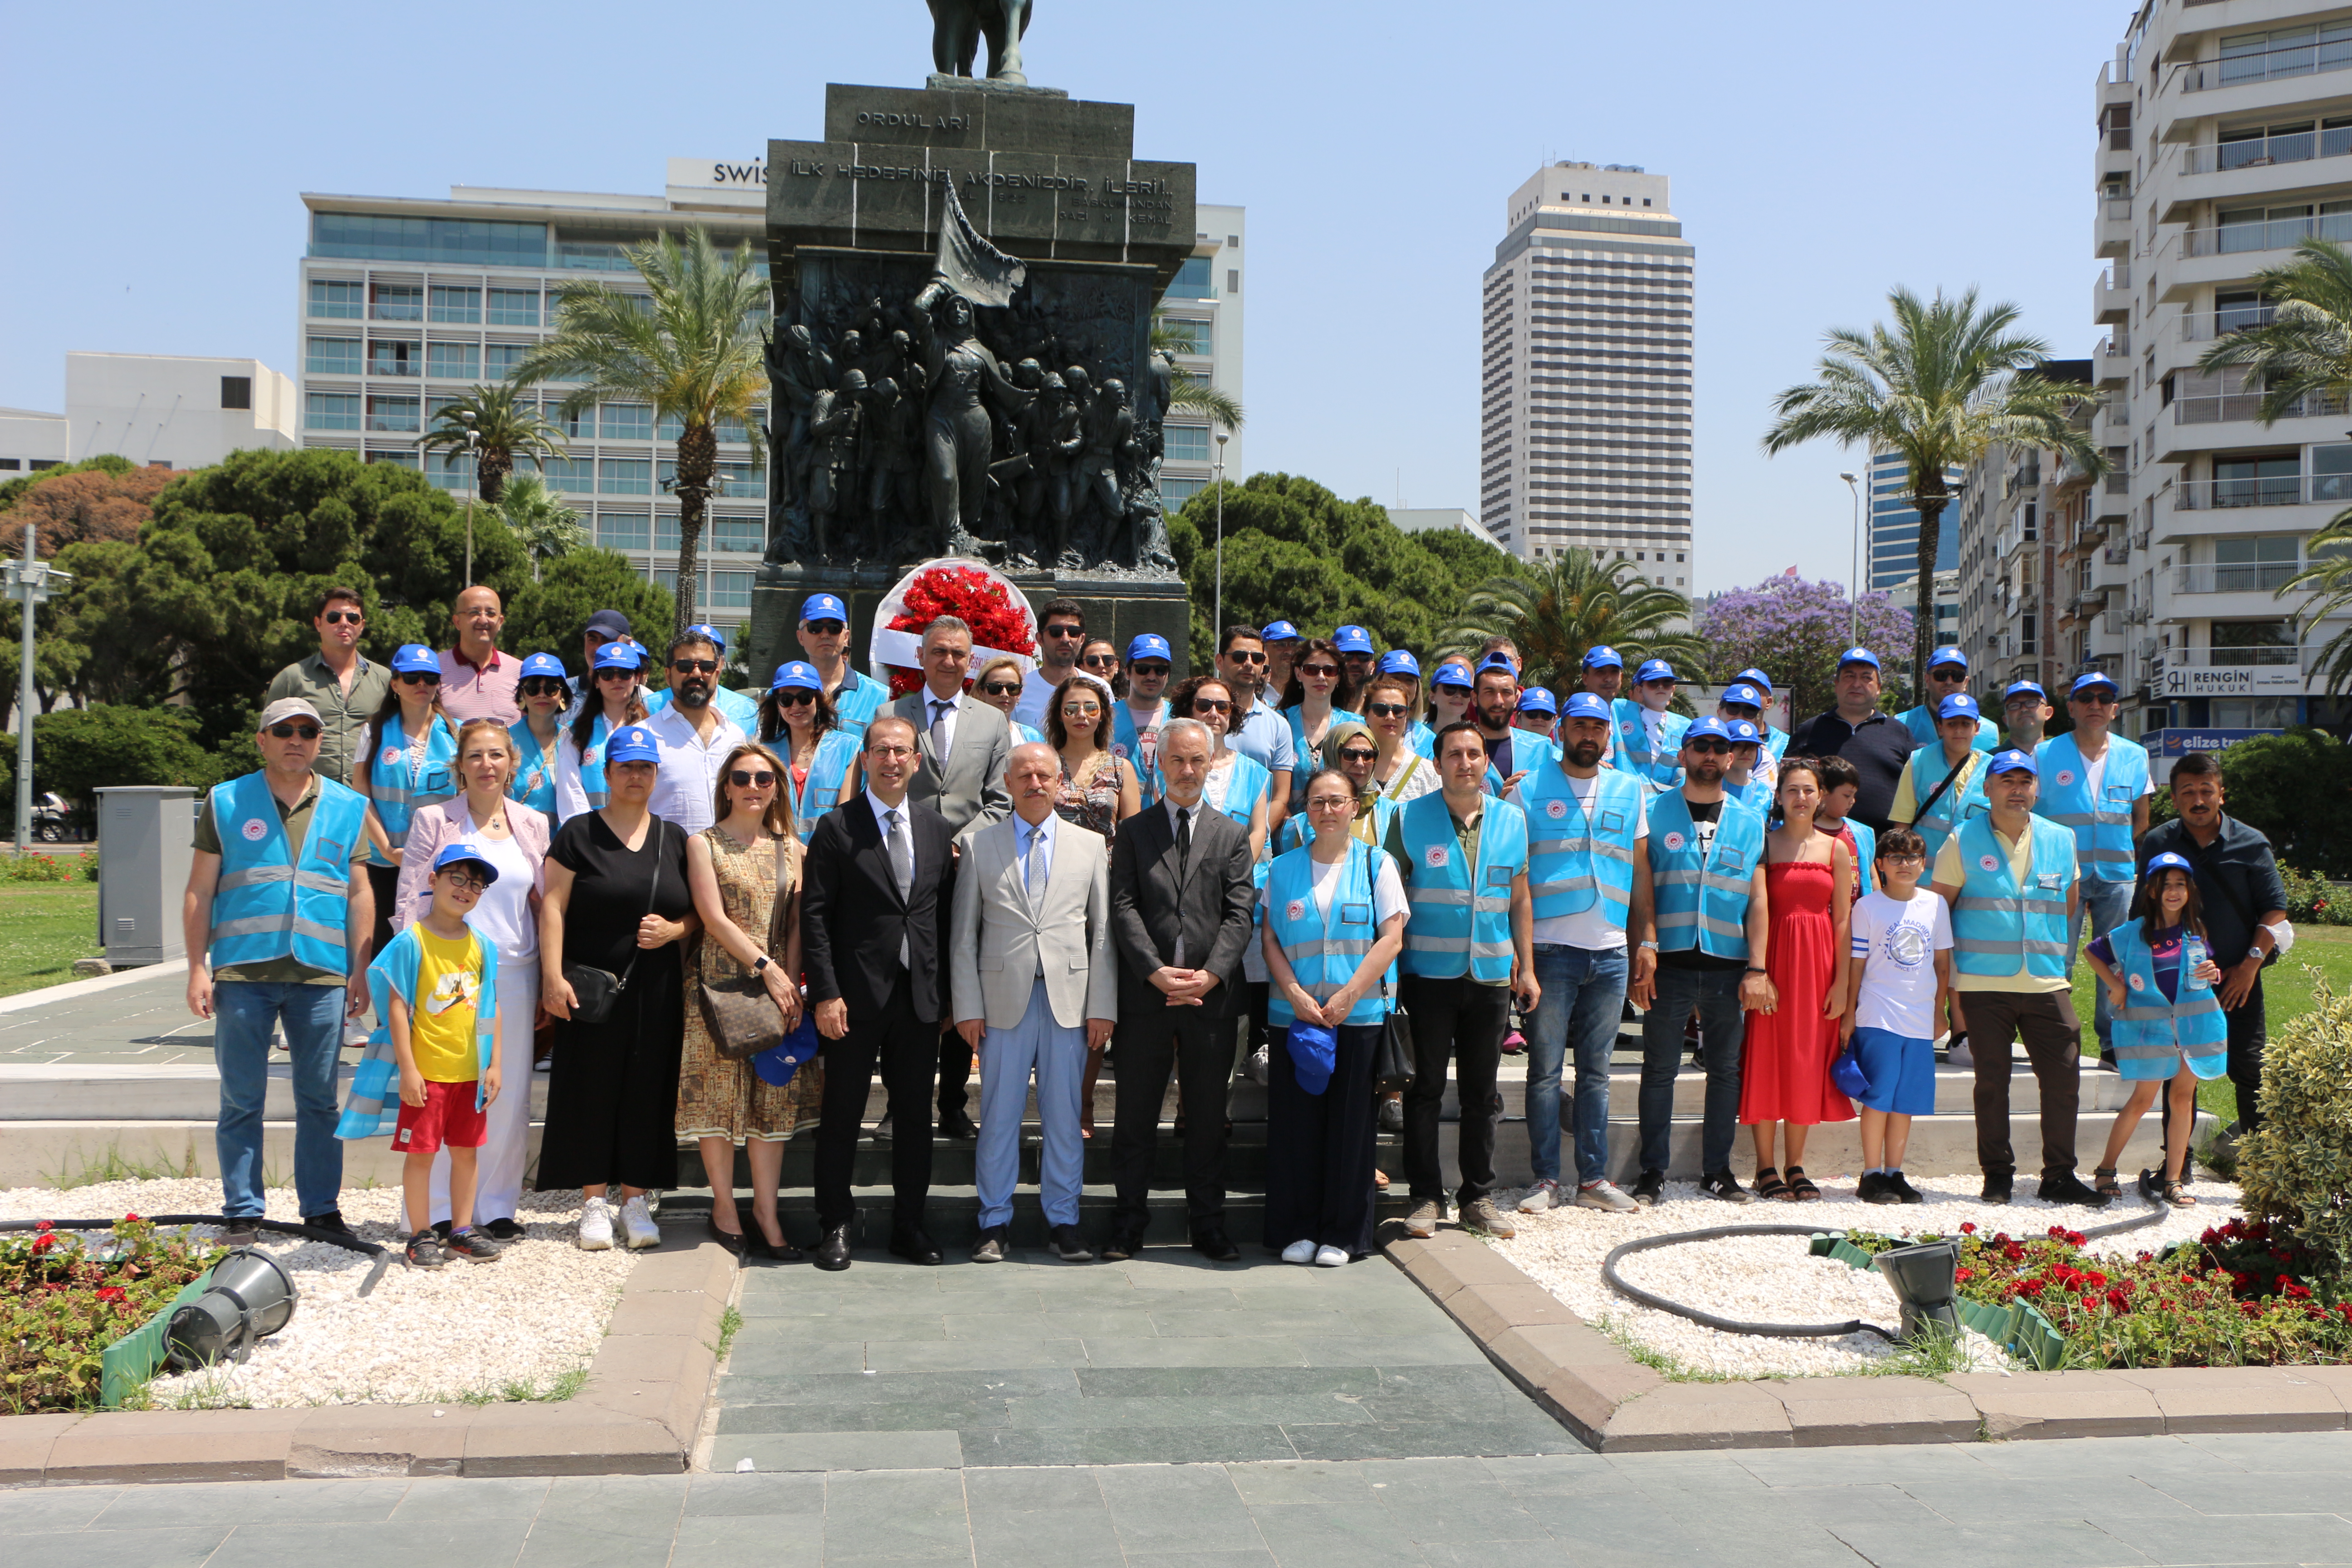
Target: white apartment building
[
  {"x": 2224, "y": 138},
  {"x": 1440, "y": 520},
  {"x": 2023, "y": 605},
  {"x": 1585, "y": 385},
  {"x": 178, "y": 411},
  {"x": 405, "y": 302}
]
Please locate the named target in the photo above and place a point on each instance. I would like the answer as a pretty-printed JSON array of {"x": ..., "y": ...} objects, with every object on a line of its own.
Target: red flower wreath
[{"x": 972, "y": 597}]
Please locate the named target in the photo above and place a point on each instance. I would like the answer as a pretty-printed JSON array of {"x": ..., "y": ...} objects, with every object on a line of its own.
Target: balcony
[
  {"x": 2231, "y": 408},
  {"x": 2027, "y": 477},
  {"x": 2116, "y": 552},
  {"x": 2111, "y": 294},
  {"x": 2283, "y": 234},
  {"x": 2206, "y": 326},
  {"x": 2268, "y": 65},
  {"x": 2262, "y": 152},
  {"x": 2287, "y": 489},
  {"x": 2247, "y": 577}
]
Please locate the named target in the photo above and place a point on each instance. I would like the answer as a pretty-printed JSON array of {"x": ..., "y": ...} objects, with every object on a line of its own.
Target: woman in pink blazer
[{"x": 512, "y": 837}]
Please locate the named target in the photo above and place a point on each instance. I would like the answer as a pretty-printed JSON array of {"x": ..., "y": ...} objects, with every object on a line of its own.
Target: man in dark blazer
[
  {"x": 1179, "y": 916},
  {"x": 963, "y": 780},
  {"x": 873, "y": 935}
]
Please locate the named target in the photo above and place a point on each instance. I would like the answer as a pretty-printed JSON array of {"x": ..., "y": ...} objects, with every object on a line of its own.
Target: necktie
[
  {"x": 940, "y": 709},
  {"x": 1183, "y": 842},
  {"x": 1033, "y": 866},
  {"x": 902, "y": 864}
]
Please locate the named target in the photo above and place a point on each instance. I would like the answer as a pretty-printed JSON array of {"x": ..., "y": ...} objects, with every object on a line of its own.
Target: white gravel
[
  {"x": 1771, "y": 1279},
  {"x": 491, "y": 1330}
]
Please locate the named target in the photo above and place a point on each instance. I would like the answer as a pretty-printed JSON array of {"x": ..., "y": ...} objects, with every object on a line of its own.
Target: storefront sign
[{"x": 2231, "y": 680}]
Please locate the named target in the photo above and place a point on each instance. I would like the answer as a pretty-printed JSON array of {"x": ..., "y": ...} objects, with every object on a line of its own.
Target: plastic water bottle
[{"x": 2192, "y": 958}]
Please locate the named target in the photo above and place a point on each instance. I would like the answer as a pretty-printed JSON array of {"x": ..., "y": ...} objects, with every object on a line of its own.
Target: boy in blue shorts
[{"x": 1902, "y": 974}]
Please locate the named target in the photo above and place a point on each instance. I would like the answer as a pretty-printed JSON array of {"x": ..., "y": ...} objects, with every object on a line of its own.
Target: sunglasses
[
  {"x": 1001, "y": 688},
  {"x": 695, "y": 666},
  {"x": 798, "y": 697},
  {"x": 826, "y": 629},
  {"x": 1455, "y": 687},
  {"x": 1240, "y": 658},
  {"x": 1149, "y": 671},
  {"x": 744, "y": 778},
  {"x": 1066, "y": 631},
  {"x": 340, "y": 617},
  {"x": 617, "y": 672},
  {"x": 1081, "y": 711},
  {"x": 1707, "y": 748},
  {"x": 291, "y": 731},
  {"x": 1318, "y": 672},
  {"x": 1960, "y": 676},
  {"x": 1098, "y": 661},
  {"x": 418, "y": 678},
  {"x": 1210, "y": 705},
  {"x": 1387, "y": 710},
  {"x": 542, "y": 686},
  {"x": 1358, "y": 754}
]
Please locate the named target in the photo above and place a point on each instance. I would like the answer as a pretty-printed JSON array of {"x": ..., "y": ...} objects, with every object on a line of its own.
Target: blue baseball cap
[
  {"x": 1536, "y": 700},
  {"x": 1352, "y": 639},
  {"x": 1959, "y": 705},
  {"x": 1400, "y": 661},
  {"x": 1453, "y": 672},
  {"x": 1707, "y": 728},
  {"x": 1858, "y": 654},
  {"x": 705, "y": 629},
  {"x": 2015, "y": 762},
  {"x": 1743, "y": 695},
  {"x": 823, "y": 607},
  {"x": 1948, "y": 655},
  {"x": 415, "y": 659},
  {"x": 1601, "y": 656},
  {"x": 2016, "y": 687},
  {"x": 1653, "y": 669},
  {"x": 631, "y": 744},
  {"x": 1755, "y": 678},
  {"x": 464, "y": 853},
  {"x": 619, "y": 655},
  {"x": 1743, "y": 733},
  {"x": 796, "y": 676},
  {"x": 1498, "y": 660},
  {"x": 2091, "y": 679},
  {"x": 1149, "y": 645},
  {"x": 2168, "y": 861},
  {"x": 1280, "y": 631},
  {"x": 1586, "y": 705},
  {"x": 542, "y": 664}
]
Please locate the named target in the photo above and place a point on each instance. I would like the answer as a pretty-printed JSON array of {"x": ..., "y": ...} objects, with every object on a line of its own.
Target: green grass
[
  {"x": 111, "y": 1166},
  {"x": 2286, "y": 994},
  {"x": 43, "y": 929}
]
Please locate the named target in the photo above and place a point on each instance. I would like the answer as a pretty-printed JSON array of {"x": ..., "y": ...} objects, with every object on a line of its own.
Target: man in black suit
[
  {"x": 1179, "y": 917},
  {"x": 874, "y": 926}
]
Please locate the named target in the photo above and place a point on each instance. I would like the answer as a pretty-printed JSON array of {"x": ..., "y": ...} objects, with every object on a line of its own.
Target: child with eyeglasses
[{"x": 1901, "y": 974}]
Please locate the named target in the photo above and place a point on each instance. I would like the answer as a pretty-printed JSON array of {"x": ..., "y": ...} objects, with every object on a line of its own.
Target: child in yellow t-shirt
[{"x": 447, "y": 1079}]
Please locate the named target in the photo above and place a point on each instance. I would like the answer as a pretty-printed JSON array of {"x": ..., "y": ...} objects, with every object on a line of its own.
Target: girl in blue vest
[
  {"x": 1451, "y": 691},
  {"x": 2159, "y": 977},
  {"x": 821, "y": 758},
  {"x": 411, "y": 761},
  {"x": 1334, "y": 912},
  {"x": 1318, "y": 698},
  {"x": 543, "y": 693},
  {"x": 617, "y": 698}
]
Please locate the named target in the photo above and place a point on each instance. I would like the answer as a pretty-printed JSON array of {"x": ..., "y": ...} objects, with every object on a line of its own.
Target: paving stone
[
  {"x": 379, "y": 1440},
  {"x": 2060, "y": 1404},
  {"x": 25, "y": 1444},
  {"x": 175, "y": 1445},
  {"x": 943, "y": 1354},
  {"x": 185, "y": 1548},
  {"x": 685, "y": 1314},
  {"x": 1489, "y": 1310},
  {"x": 1019, "y": 1492},
  {"x": 727, "y": 1493},
  {"x": 1204, "y": 1445},
  {"x": 2239, "y": 1399},
  {"x": 1825, "y": 1412},
  {"x": 838, "y": 1451},
  {"x": 1695, "y": 1416},
  {"x": 1989, "y": 1539},
  {"x": 1080, "y": 1537},
  {"x": 567, "y": 1439},
  {"x": 701, "y": 1266}
]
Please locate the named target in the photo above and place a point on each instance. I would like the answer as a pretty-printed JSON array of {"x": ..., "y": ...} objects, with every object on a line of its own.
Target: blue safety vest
[
  {"x": 1573, "y": 859},
  {"x": 2102, "y": 827},
  {"x": 2000, "y": 928},
  {"x": 1325, "y": 950},
  {"x": 1775, "y": 741},
  {"x": 533, "y": 783},
  {"x": 1305, "y": 761},
  {"x": 1865, "y": 853},
  {"x": 2150, "y": 1030},
  {"x": 1964, "y": 801},
  {"x": 267, "y": 905},
  {"x": 835, "y": 748},
  {"x": 1660, "y": 769},
  {"x": 1461, "y": 915},
  {"x": 1922, "y": 725},
  {"x": 1295, "y": 831},
  {"x": 1756, "y": 794},
  {"x": 1126, "y": 740},
  {"x": 1703, "y": 904},
  {"x": 742, "y": 712},
  {"x": 398, "y": 789},
  {"x": 1243, "y": 790},
  {"x": 858, "y": 699},
  {"x": 591, "y": 764},
  {"x": 1421, "y": 739}
]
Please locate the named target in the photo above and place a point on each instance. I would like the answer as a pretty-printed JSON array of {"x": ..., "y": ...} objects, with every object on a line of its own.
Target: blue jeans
[
  {"x": 1722, "y": 1028},
  {"x": 2106, "y": 904},
  {"x": 1583, "y": 999},
  {"x": 313, "y": 1017}
]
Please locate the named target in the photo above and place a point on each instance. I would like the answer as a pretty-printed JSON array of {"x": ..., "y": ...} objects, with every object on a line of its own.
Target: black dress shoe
[
  {"x": 331, "y": 1222},
  {"x": 912, "y": 1245},
  {"x": 1215, "y": 1245},
  {"x": 777, "y": 1251},
  {"x": 882, "y": 1129},
  {"x": 833, "y": 1252},
  {"x": 1125, "y": 1242},
  {"x": 1999, "y": 1187},
  {"x": 735, "y": 1242},
  {"x": 2066, "y": 1187},
  {"x": 505, "y": 1229},
  {"x": 991, "y": 1245},
  {"x": 1069, "y": 1246},
  {"x": 956, "y": 1124}
]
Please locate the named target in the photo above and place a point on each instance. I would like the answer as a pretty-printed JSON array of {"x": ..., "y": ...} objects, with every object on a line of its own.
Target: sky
[{"x": 1822, "y": 152}]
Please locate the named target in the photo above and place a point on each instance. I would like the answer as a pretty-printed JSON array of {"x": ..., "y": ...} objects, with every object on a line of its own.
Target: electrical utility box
[{"x": 143, "y": 854}]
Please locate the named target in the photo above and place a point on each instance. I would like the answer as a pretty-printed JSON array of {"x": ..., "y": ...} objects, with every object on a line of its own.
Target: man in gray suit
[
  {"x": 1036, "y": 990},
  {"x": 1180, "y": 912},
  {"x": 964, "y": 743}
]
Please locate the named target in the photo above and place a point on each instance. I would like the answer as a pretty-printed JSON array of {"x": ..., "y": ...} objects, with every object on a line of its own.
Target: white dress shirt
[
  {"x": 906, "y": 810},
  {"x": 688, "y": 781},
  {"x": 1043, "y": 835}
]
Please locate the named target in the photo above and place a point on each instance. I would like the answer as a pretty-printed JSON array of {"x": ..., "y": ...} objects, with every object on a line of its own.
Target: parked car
[{"x": 53, "y": 820}]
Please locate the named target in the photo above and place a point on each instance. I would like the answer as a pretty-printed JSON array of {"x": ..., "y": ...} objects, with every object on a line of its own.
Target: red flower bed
[
  {"x": 62, "y": 1302},
  {"x": 997, "y": 617}
]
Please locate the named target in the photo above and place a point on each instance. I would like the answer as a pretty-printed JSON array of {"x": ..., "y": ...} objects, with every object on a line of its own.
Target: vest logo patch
[
  {"x": 1296, "y": 910},
  {"x": 2066, "y": 775},
  {"x": 1436, "y": 856},
  {"x": 1118, "y": 750},
  {"x": 2136, "y": 982},
  {"x": 254, "y": 830},
  {"x": 1555, "y": 809},
  {"x": 1988, "y": 863},
  {"x": 391, "y": 757},
  {"x": 2050, "y": 881},
  {"x": 531, "y": 782},
  {"x": 594, "y": 757},
  {"x": 1674, "y": 842}
]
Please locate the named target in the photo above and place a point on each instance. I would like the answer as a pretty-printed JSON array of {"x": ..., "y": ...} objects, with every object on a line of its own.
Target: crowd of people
[{"x": 1312, "y": 864}]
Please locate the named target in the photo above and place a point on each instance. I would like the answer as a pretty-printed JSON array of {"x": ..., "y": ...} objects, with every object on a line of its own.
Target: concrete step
[{"x": 951, "y": 1216}]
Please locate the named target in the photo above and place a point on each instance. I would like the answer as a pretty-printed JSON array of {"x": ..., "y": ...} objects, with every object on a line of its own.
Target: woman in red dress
[{"x": 1793, "y": 1036}]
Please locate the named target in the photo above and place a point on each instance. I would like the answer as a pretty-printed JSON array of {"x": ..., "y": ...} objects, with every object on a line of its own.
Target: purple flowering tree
[{"x": 1793, "y": 630}]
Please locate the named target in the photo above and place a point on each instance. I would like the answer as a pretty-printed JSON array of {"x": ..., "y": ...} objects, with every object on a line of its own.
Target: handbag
[
  {"x": 742, "y": 1019},
  {"x": 1392, "y": 1059},
  {"x": 594, "y": 991}
]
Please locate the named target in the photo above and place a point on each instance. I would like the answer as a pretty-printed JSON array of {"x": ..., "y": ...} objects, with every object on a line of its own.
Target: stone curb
[
  {"x": 1613, "y": 1404},
  {"x": 639, "y": 1413}
]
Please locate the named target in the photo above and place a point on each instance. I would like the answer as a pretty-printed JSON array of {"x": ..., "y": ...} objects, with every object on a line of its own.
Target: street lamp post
[
  {"x": 1853, "y": 594},
  {"x": 1217, "y": 617},
  {"x": 473, "y": 450},
  {"x": 28, "y": 584}
]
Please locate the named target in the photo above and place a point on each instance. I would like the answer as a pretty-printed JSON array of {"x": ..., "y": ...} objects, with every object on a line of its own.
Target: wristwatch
[
  {"x": 1650, "y": 944},
  {"x": 761, "y": 965}
]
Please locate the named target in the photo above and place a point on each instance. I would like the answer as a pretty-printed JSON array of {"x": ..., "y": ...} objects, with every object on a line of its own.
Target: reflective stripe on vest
[
  {"x": 1461, "y": 915},
  {"x": 856, "y": 701},
  {"x": 2103, "y": 827},
  {"x": 1580, "y": 860},
  {"x": 1702, "y": 905},
  {"x": 1324, "y": 949},
  {"x": 592, "y": 768},
  {"x": 533, "y": 783},
  {"x": 1995, "y": 923},
  {"x": 2150, "y": 1029},
  {"x": 1128, "y": 741},
  {"x": 1657, "y": 768},
  {"x": 399, "y": 785},
  {"x": 265, "y": 904}
]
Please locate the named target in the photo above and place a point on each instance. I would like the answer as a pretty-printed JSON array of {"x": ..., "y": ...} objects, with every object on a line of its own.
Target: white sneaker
[
  {"x": 1329, "y": 1258},
  {"x": 1257, "y": 1067},
  {"x": 1604, "y": 1196},
  {"x": 1960, "y": 1056},
  {"x": 1544, "y": 1194},
  {"x": 595, "y": 1226},
  {"x": 1299, "y": 1252},
  {"x": 639, "y": 1224}
]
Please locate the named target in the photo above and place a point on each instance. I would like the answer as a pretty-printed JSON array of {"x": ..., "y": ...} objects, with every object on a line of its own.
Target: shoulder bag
[
  {"x": 1392, "y": 1058},
  {"x": 595, "y": 991},
  {"x": 1937, "y": 794},
  {"x": 742, "y": 1019}
]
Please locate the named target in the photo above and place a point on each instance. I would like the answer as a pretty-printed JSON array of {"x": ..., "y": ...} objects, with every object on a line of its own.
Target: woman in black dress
[{"x": 617, "y": 901}]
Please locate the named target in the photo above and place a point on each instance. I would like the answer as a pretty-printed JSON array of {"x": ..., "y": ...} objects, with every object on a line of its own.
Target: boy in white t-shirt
[{"x": 1902, "y": 972}]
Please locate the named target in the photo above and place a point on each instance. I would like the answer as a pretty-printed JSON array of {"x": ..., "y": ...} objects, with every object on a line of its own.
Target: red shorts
[{"x": 447, "y": 1120}]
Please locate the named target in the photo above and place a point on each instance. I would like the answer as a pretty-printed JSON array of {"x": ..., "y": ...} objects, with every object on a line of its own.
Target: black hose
[
  {"x": 339, "y": 1238},
  {"x": 1618, "y": 1283}
]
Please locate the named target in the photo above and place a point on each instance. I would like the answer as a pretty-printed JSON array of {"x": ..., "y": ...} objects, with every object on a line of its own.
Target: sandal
[
  {"x": 1769, "y": 1187},
  {"x": 1381, "y": 1180},
  {"x": 1801, "y": 1187},
  {"x": 2104, "y": 1180},
  {"x": 2178, "y": 1196}
]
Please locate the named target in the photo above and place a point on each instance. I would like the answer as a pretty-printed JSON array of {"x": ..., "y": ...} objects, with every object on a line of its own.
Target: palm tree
[
  {"x": 693, "y": 350},
  {"x": 2329, "y": 578},
  {"x": 1186, "y": 391},
  {"x": 538, "y": 517},
  {"x": 497, "y": 426},
  {"x": 2304, "y": 350},
  {"x": 1560, "y": 608},
  {"x": 1946, "y": 383}
]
